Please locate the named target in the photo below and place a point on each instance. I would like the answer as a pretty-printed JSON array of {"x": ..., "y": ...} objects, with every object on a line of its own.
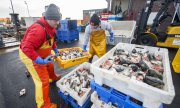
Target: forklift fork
[{"x": 176, "y": 62}]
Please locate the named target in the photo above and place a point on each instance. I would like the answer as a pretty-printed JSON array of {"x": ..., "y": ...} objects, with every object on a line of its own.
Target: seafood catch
[
  {"x": 79, "y": 81},
  {"x": 71, "y": 54},
  {"x": 99, "y": 103},
  {"x": 143, "y": 66}
]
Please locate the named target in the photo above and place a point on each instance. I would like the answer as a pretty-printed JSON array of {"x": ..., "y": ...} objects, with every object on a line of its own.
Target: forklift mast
[
  {"x": 145, "y": 13},
  {"x": 143, "y": 17},
  {"x": 161, "y": 16}
]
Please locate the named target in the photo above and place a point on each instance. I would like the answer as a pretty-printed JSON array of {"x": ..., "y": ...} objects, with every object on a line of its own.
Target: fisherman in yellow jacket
[{"x": 95, "y": 31}]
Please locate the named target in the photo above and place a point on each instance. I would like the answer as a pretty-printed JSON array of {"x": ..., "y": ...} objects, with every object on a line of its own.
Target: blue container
[
  {"x": 68, "y": 36},
  {"x": 115, "y": 18},
  {"x": 112, "y": 18},
  {"x": 119, "y": 18},
  {"x": 70, "y": 101},
  {"x": 64, "y": 25},
  {"x": 115, "y": 97},
  {"x": 68, "y": 25},
  {"x": 72, "y": 24}
]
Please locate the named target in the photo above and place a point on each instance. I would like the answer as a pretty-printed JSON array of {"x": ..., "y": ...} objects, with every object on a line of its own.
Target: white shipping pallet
[
  {"x": 150, "y": 96},
  {"x": 98, "y": 103},
  {"x": 123, "y": 32},
  {"x": 73, "y": 94}
]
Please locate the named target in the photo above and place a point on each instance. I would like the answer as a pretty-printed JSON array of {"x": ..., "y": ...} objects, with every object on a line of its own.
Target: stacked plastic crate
[
  {"x": 73, "y": 61},
  {"x": 68, "y": 31},
  {"x": 74, "y": 88},
  {"x": 123, "y": 32},
  {"x": 107, "y": 97}
]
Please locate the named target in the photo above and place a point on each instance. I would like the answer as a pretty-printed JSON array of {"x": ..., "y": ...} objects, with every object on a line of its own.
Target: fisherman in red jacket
[{"x": 35, "y": 53}]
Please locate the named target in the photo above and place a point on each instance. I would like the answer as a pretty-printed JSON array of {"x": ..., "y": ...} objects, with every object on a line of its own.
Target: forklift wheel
[{"x": 147, "y": 40}]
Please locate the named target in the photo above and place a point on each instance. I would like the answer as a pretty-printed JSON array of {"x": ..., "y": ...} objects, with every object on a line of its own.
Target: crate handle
[
  {"x": 119, "y": 94},
  {"x": 64, "y": 62}
]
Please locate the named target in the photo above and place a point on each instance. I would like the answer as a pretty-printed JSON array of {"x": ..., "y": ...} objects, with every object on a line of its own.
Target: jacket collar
[{"x": 47, "y": 26}]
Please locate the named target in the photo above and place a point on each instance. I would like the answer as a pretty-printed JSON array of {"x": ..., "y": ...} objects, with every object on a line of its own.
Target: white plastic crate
[
  {"x": 123, "y": 32},
  {"x": 73, "y": 94},
  {"x": 97, "y": 103},
  {"x": 150, "y": 96}
]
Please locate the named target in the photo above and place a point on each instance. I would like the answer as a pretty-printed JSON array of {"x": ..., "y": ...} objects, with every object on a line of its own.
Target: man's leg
[
  {"x": 92, "y": 52},
  {"x": 44, "y": 77},
  {"x": 41, "y": 80},
  {"x": 40, "y": 77},
  {"x": 101, "y": 49},
  {"x": 52, "y": 75}
]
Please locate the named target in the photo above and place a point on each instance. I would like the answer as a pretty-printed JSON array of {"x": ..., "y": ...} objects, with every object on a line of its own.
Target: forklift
[{"x": 149, "y": 35}]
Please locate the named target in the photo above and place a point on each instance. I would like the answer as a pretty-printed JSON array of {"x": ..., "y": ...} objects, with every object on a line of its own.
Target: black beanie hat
[
  {"x": 52, "y": 13},
  {"x": 95, "y": 19}
]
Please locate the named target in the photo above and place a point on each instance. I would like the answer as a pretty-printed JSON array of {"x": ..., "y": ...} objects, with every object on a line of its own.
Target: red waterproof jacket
[{"x": 34, "y": 37}]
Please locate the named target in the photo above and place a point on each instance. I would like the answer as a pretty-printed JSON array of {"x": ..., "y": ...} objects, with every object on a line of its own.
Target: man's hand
[
  {"x": 47, "y": 60},
  {"x": 111, "y": 37},
  {"x": 56, "y": 51},
  {"x": 84, "y": 48}
]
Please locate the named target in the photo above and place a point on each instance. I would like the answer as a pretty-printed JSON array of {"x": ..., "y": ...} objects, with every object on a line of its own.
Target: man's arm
[
  {"x": 33, "y": 40},
  {"x": 86, "y": 35},
  {"x": 107, "y": 26}
]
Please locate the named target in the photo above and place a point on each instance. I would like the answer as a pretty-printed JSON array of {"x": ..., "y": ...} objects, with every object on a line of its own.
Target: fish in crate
[{"x": 142, "y": 66}]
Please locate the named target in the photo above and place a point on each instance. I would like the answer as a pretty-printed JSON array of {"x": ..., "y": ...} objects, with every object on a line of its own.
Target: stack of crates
[
  {"x": 72, "y": 102},
  {"x": 109, "y": 95},
  {"x": 114, "y": 18},
  {"x": 69, "y": 95},
  {"x": 150, "y": 96},
  {"x": 68, "y": 31}
]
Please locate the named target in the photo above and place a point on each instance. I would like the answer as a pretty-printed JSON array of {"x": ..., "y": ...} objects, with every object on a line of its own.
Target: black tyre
[{"x": 147, "y": 40}]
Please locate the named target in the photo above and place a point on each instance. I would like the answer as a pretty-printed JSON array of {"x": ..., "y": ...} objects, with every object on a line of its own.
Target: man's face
[
  {"x": 93, "y": 26},
  {"x": 53, "y": 23}
]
